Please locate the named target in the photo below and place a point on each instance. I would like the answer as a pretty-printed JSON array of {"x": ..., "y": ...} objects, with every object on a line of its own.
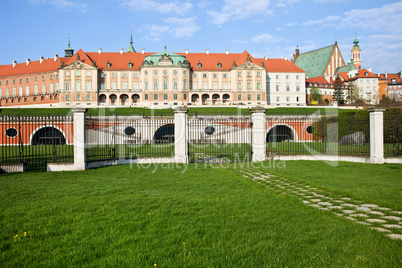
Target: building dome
[{"x": 165, "y": 58}]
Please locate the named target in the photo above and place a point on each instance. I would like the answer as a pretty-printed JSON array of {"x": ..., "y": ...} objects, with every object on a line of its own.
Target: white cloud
[
  {"x": 183, "y": 27},
  {"x": 265, "y": 38},
  {"x": 154, "y": 32},
  {"x": 62, "y": 4},
  {"x": 242, "y": 9},
  {"x": 169, "y": 7}
]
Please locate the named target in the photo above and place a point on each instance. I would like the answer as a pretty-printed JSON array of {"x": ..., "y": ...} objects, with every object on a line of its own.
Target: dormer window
[
  {"x": 199, "y": 65},
  {"x": 393, "y": 81},
  {"x": 366, "y": 73},
  {"x": 130, "y": 64},
  {"x": 108, "y": 64},
  {"x": 219, "y": 65}
]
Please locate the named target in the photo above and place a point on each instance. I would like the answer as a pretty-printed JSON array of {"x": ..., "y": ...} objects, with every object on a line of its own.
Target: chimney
[
  {"x": 56, "y": 57},
  {"x": 14, "y": 63},
  {"x": 28, "y": 61},
  {"x": 143, "y": 51},
  {"x": 227, "y": 51},
  {"x": 207, "y": 51},
  {"x": 297, "y": 51},
  {"x": 265, "y": 58},
  {"x": 99, "y": 51},
  {"x": 41, "y": 59},
  {"x": 121, "y": 51},
  {"x": 285, "y": 58},
  {"x": 186, "y": 51},
  {"x": 386, "y": 75}
]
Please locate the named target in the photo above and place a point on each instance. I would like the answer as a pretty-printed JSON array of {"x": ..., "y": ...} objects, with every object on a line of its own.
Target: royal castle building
[{"x": 152, "y": 79}]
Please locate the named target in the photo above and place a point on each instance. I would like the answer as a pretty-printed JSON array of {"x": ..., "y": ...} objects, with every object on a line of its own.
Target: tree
[
  {"x": 353, "y": 93},
  {"x": 338, "y": 90},
  {"x": 315, "y": 94}
]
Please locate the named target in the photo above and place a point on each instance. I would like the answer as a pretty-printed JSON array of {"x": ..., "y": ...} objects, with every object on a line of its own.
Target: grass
[
  {"x": 189, "y": 216},
  {"x": 127, "y": 111}
]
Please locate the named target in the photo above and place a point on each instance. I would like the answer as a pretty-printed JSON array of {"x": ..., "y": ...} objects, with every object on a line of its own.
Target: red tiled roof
[
  {"x": 344, "y": 76},
  {"x": 120, "y": 61},
  {"x": 394, "y": 76},
  {"x": 48, "y": 65},
  {"x": 362, "y": 74}
]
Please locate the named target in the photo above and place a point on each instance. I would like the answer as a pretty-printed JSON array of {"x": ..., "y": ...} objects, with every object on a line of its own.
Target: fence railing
[
  {"x": 116, "y": 138},
  {"x": 36, "y": 141},
  {"x": 220, "y": 139},
  {"x": 392, "y": 135},
  {"x": 309, "y": 135}
]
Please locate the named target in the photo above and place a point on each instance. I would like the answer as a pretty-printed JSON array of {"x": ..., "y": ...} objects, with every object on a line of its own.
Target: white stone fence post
[
  {"x": 180, "y": 135},
  {"x": 376, "y": 135},
  {"x": 258, "y": 135}
]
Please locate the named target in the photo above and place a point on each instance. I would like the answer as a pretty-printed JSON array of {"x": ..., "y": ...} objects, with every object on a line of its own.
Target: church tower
[
  {"x": 356, "y": 53},
  {"x": 69, "y": 52}
]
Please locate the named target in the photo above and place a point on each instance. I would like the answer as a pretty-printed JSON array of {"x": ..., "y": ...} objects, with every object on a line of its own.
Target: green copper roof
[
  {"x": 356, "y": 44},
  {"x": 315, "y": 62},
  {"x": 69, "y": 52},
  {"x": 175, "y": 58},
  {"x": 347, "y": 68}
]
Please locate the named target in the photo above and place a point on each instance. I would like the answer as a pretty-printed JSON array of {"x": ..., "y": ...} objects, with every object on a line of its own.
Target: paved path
[{"x": 377, "y": 218}]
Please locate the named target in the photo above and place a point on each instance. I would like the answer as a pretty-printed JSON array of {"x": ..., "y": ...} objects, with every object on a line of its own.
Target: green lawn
[
  {"x": 191, "y": 216},
  {"x": 169, "y": 112}
]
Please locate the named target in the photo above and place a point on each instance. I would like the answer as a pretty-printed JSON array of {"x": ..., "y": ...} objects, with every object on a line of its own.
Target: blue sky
[{"x": 272, "y": 28}]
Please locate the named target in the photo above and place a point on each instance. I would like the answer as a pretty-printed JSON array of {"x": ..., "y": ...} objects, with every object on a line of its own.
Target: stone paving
[{"x": 378, "y": 218}]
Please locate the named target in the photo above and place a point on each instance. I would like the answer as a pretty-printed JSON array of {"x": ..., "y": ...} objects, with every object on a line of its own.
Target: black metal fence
[
  {"x": 220, "y": 140},
  {"x": 392, "y": 135},
  {"x": 318, "y": 136},
  {"x": 36, "y": 141},
  {"x": 116, "y": 138}
]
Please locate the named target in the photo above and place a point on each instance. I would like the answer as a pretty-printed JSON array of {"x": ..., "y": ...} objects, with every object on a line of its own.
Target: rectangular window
[
  {"x": 67, "y": 74},
  {"x": 14, "y": 92},
  {"x": 7, "y": 93},
  {"x": 277, "y": 87},
  {"x": 113, "y": 75},
  {"x": 165, "y": 84},
  {"x": 297, "y": 99},
  {"x": 225, "y": 86},
  {"x": 278, "y": 98},
  {"x": 67, "y": 97},
  {"x": 124, "y": 75},
  {"x": 297, "y": 77},
  {"x": 287, "y": 88},
  {"x": 225, "y": 75},
  {"x": 287, "y": 99},
  {"x": 7, "y": 80},
  {"x": 78, "y": 97},
  {"x": 155, "y": 96},
  {"x": 43, "y": 89},
  {"x": 258, "y": 74},
  {"x": 146, "y": 96},
  {"x": 184, "y": 96},
  {"x": 57, "y": 77},
  {"x": 277, "y": 76},
  {"x": 102, "y": 75},
  {"x": 88, "y": 86},
  {"x": 78, "y": 86},
  {"x": 67, "y": 86},
  {"x": 78, "y": 73},
  {"x": 239, "y": 74},
  {"x": 155, "y": 84},
  {"x": 204, "y": 85},
  {"x": 102, "y": 86},
  {"x": 57, "y": 87},
  {"x": 204, "y": 75},
  {"x": 194, "y": 75},
  {"x": 146, "y": 84},
  {"x": 297, "y": 88},
  {"x": 51, "y": 88},
  {"x": 239, "y": 97},
  {"x": 215, "y": 86},
  {"x": 248, "y": 74},
  {"x": 20, "y": 80},
  {"x": 135, "y": 75},
  {"x": 165, "y": 96},
  {"x": 124, "y": 85},
  {"x": 214, "y": 75},
  {"x": 258, "y": 97},
  {"x": 195, "y": 85},
  {"x": 51, "y": 77},
  {"x": 258, "y": 85},
  {"x": 239, "y": 85},
  {"x": 43, "y": 78},
  {"x": 27, "y": 80},
  {"x": 1, "y": 93},
  {"x": 248, "y": 85},
  {"x": 20, "y": 91},
  {"x": 27, "y": 91},
  {"x": 175, "y": 96},
  {"x": 88, "y": 97},
  {"x": 36, "y": 90},
  {"x": 287, "y": 76},
  {"x": 114, "y": 85},
  {"x": 249, "y": 97},
  {"x": 88, "y": 73},
  {"x": 135, "y": 85}
]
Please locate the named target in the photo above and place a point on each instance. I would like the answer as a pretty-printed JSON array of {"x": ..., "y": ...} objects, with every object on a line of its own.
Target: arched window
[
  {"x": 185, "y": 84},
  {"x": 175, "y": 84},
  {"x": 165, "y": 84}
]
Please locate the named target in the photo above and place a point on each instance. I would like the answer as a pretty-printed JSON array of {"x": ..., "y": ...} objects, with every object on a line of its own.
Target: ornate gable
[
  {"x": 78, "y": 65},
  {"x": 248, "y": 66}
]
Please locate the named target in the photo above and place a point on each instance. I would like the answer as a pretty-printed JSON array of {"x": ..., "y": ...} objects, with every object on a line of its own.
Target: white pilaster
[
  {"x": 258, "y": 134},
  {"x": 180, "y": 134},
  {"x": 376, "y": 135}
]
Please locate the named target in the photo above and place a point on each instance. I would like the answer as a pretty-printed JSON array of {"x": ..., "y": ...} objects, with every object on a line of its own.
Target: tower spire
[
  {"x": 131, "y": 48},
  {"x": 69, "y": 52}
]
